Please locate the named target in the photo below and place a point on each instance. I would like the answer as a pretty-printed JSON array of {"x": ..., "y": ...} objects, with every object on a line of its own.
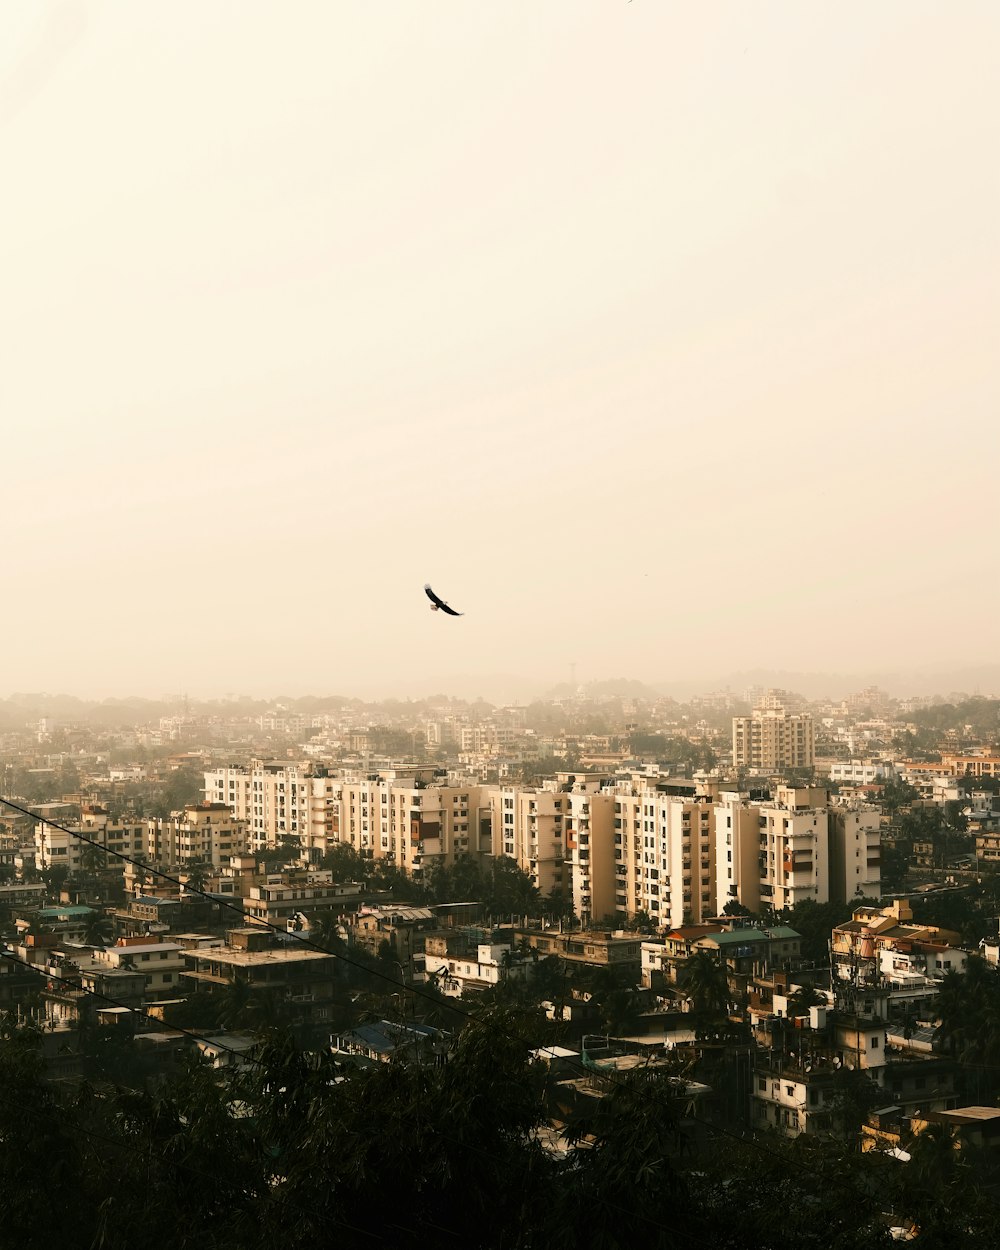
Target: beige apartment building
[
  {"x": 530, "y": 827},
  {"x": 617, "y": 848},
  {"x": 60, "y": 848},
  {"x": 855, "y": 852},
  {"x": 590, "y": 852},
  {"x": 665, "y": 850},
  {"x": 404, "y": 815},
  {"x": 781, "y": 850},
  {"x": 409, "y": 819},
  {"x": 771, "y": 740},
  {"x": 205, "y": 833}
]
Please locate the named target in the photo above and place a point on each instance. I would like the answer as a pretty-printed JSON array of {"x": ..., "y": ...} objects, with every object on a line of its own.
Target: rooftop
[{"x": 247, "y": 959}]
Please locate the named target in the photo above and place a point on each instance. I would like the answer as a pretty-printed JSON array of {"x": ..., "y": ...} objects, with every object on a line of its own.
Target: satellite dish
[
  {"x": 809, "y": 1067},
  {"x": 837, "y": 1061}
]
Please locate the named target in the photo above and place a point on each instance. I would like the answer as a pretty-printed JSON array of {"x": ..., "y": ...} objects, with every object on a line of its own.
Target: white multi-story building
[
  {"x": 664, "y": 850},
  {"x": 411, "y": 819},
  {"x": 161, "y": 963},
  {"x": 794, "y": 847},
  {"x": 204, "y": 833},
  {"x": 275, "y": 799},
  {"x": 863, "y": 772},
  {"x": 530, "y": 826}
]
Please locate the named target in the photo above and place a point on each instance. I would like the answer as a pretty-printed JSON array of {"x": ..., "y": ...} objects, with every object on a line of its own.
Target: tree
[
  {"x": 621, "y": 1013},
  {"x": 55, "y": 879},
  {"x": 559, "y": 905},
  {"x": 234, "y": 1001},
  {"x": 855, "y": 1096},
  {"x": 97, "y": 931},
  {"x": 815, "y": 922},
  {"x": 93, "y": 858},
  {"x": 510, "y": 890},
  {"x": 806, "y": 995},
  {"x": 626, "y": 1189},
  {"x": 344, "y": 862},
  {"x": 705, "y": 984},
  {"x": 197, "y": 874}
]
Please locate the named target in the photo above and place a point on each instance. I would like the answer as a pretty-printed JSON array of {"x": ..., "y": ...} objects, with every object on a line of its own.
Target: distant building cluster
[{"x": 615, "y": 844}]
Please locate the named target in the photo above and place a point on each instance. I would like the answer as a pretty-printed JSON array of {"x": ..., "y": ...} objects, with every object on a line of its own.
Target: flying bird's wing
[{"x": 438, "y": 602}]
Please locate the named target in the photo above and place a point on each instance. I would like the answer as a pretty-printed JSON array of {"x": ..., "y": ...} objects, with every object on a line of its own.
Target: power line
[
  {"x": 416, "y": 991},
  {"x": 48, "y": 975},
  {"x": 231, "y": 906}
]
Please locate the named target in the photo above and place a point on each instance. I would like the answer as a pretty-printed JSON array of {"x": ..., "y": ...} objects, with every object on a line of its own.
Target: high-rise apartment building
[
  {"x": 615, "y": 845},
  {"x": 777, "y": 851},
  {"x": 530, "y": 827},
  {"x": 403, "y": 815},
  {"x": 204, "y": 833},
  {"x": 664, "y": 850},
  {"x": 855, "y": 853},
  {"x": 274, "y": 798},
  {"x": 411, "y": 819},
  {"x": 773, "y": 740}
]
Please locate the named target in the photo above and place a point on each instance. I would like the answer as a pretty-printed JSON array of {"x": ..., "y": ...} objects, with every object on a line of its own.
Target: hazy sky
[{"x": 661, "y": 338}]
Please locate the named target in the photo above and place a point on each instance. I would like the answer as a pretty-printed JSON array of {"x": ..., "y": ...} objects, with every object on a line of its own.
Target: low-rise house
[
  {"x": 619, "y": 950},
  {"x": 387, "y": 1041},
  {"x": 885, "y": 944},
  {"x": 746, "y": 950},
  {"x": 160, "y": 963},
  {"x": 20, "y": 898},
  {"x": 276, "y": 903},
  {"x": 403, "y": 927},
  {"x": 299, "y": 979},
  {"x": 230, "y": 1050},
  {"x": 481, "y": 969},
  {"x": 67, "y": 923},
  {"x": 76, "y": 997},
  {"x": 893, "y": 1130},
  {"x": 147, "y": 914}
]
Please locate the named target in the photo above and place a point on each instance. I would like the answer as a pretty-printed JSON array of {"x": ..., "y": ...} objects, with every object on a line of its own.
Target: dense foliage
[{"x": 297, "y": 1152}]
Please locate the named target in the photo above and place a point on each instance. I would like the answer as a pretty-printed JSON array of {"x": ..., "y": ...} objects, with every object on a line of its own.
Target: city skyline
[{"x": 658, "y": 340}]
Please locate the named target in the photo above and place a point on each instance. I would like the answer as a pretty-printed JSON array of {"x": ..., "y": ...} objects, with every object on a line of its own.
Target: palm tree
[
  {"x": 141, "y": 871},
  {"x": 806, "y": 995},
  {"x": 264, "y": 1011},
  {"x": 951, "y": 1006},
  {"x": 705, "y": 984},
  {"x": 197, "y": 875},
  {"x": 621, "y": 1013},
  {"x": 324, "y": 930},
  {"x": 234, "y": 1002},
  {"x": 97, "y": 930},
  {"x": 93, "y": 859}
]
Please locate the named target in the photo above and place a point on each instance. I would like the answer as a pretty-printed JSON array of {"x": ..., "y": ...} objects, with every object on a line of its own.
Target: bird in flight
[{"x": 438, "y": 604}]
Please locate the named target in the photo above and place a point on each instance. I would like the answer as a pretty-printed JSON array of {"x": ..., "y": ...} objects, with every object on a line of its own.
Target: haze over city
[{"x": 658, "y": 338}]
